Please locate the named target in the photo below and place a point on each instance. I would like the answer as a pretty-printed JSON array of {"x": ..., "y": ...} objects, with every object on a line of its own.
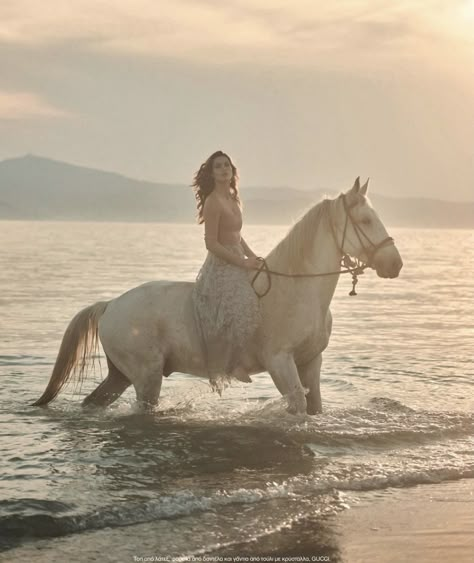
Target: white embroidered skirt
[{"x": 227, "y": 312}]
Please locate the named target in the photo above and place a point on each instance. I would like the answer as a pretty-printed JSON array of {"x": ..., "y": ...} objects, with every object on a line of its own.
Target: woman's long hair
[{"x": 203, "y": 183}]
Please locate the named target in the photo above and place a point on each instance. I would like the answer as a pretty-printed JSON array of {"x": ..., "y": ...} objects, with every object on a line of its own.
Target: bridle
[
  {"x": 369, "y": 250},
  {"x": 352, "y": 265}
]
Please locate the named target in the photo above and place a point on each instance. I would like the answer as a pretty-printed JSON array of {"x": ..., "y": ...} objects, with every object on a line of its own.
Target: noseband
[{"x": 352, "y": 266}]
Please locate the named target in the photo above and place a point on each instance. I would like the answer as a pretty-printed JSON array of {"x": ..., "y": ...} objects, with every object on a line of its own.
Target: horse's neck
[
  {"x": 324, "y": 255},
  {"x": 325, "y": 259},
  {"x": 320, "y": 257}
]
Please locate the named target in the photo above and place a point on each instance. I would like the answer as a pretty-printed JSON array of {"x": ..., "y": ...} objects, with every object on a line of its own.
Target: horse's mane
[{"x": 296, "y": 246}]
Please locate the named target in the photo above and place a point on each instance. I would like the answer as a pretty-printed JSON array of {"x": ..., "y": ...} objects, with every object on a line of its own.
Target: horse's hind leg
[{"x": 109, "y": 390}]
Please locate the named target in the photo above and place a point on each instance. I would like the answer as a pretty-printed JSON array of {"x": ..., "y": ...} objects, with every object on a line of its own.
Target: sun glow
[
  {"x": 468, "y": 9},
  {"x": 465, "y": 18}
]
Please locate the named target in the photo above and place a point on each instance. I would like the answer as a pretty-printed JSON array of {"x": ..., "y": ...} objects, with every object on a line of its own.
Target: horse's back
[
  {"x": 155, "y": 293},
  {"x": 154, "y": 319},
  {"x": 156, "y": 301}
]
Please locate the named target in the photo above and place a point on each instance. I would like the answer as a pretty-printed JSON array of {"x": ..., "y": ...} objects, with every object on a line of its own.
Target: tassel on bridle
[{"x": 356, "y": 267}]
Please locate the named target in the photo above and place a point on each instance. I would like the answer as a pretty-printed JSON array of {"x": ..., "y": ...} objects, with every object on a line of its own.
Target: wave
[
  {"x": 384, "y": 423},
  {"x": 30, "y": 518},
  {"x": 24, "y": 360},
  {"x": 46, "y": 523}
]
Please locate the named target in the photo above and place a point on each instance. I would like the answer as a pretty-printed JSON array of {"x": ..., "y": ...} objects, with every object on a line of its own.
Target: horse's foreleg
[
  {"x": 283, "y": 369},
  {"x": 148, "y": 387},
  {"x": 310, "y": 378},
  {"x": 279, "y": 382}
]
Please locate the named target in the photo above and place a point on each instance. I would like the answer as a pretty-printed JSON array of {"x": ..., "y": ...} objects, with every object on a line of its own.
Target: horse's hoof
[{"x": 296, "y": 403}]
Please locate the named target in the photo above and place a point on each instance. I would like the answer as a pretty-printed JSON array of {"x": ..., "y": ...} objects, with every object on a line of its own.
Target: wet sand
[{"x": 428, "y": 523}]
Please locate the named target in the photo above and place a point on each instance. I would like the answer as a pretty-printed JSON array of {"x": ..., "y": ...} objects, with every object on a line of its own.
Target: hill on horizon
[{"x": 38, "y": 188}]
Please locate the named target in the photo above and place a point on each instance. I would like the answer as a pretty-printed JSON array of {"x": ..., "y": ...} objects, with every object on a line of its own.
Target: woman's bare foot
[{"x": 241, "y": 374}]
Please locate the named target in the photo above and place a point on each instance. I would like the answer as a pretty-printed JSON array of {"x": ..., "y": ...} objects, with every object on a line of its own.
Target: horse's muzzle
[
  {"x": 387, "y": 262},
  {"x": 389, "y": 268}
]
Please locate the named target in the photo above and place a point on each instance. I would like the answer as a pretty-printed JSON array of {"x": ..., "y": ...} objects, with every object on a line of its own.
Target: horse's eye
[{"x": 365, "y": 221}]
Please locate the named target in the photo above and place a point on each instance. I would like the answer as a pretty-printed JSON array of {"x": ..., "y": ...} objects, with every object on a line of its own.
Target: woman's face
[{"x": 222, "y": 169}]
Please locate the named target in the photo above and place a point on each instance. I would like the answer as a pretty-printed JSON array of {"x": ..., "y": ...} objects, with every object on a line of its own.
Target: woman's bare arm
[
  {"x": 211, "y": 215},
  {"x": 248, "y": 251}
]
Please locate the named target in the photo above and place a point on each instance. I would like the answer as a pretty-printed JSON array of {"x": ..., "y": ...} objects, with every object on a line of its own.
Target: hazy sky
[{"x": 307, "y": 93}]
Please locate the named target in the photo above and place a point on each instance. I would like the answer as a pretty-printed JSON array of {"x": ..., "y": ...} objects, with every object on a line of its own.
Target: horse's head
[{"x": 361, "y": 233}]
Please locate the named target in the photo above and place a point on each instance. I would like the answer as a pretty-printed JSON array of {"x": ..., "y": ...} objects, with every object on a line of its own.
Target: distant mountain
[
  {"x": 33, "y": 187},
  {"x": 38, "y": 188}
]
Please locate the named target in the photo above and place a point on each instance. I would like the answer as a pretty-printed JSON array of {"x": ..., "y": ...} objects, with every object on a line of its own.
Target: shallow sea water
[{"x": 222, "y": 475}]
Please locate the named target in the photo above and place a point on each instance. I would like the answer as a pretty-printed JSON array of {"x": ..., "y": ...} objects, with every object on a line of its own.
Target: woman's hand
[{"x": 252, "y": 263}]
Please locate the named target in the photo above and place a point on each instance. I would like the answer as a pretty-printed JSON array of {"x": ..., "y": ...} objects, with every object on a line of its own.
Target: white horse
[{"x": 150, "y": 331}]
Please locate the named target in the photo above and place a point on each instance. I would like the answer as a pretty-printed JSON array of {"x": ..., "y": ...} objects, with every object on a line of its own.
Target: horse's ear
[
  {"x": 365, "y": 187},
  {"x": 355, "y": 188}
]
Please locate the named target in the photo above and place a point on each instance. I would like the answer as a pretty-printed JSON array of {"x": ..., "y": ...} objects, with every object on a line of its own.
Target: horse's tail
[{"x": 80, "y": 340}]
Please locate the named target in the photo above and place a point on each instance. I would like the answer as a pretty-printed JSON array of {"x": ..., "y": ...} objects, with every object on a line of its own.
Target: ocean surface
[{"x": 212, "y": 476}]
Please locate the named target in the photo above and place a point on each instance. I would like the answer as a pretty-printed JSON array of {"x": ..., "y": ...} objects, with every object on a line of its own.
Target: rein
[{"x": 352, "y": 266}]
